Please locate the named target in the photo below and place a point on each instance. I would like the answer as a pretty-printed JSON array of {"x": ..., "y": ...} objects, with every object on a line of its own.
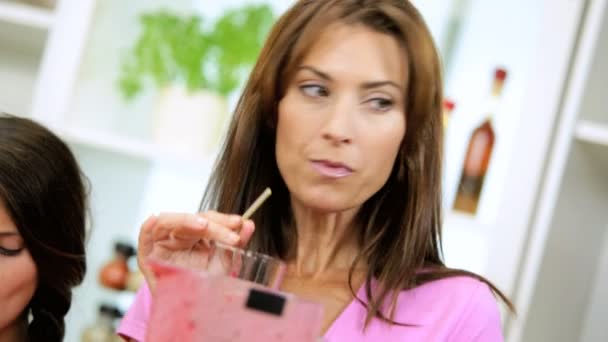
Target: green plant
[{"x": 176, "y": 49}]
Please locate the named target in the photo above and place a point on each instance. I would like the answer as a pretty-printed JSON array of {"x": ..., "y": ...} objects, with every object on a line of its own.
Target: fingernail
[
  {"x": 233, "y": 238},
  {"x": 235, "y": 219},
  {"x": 202, "y": 221}
]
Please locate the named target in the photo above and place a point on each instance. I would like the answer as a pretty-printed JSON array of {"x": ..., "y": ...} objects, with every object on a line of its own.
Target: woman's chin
[
  {"x": 327, "y": 204},
  {"x": 328, "y": 208}
]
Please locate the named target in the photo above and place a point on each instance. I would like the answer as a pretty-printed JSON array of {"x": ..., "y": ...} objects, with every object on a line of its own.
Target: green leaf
[{"x": 177, "y": 49}]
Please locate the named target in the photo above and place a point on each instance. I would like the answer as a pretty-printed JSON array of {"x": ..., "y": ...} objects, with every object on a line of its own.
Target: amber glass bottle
[{"x": 479, "y": 152}]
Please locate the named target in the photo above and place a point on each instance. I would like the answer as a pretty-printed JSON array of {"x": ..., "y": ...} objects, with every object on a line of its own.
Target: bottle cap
[
  {"x": 125, "y": 249},
  {"x": 449, "y": 105},
  {"x": 110, "y": 310},
  {"x": 500, "y": 74}
]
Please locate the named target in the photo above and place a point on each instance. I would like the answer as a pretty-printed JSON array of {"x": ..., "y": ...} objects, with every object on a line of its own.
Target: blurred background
[{"x": 143, "y": 90}]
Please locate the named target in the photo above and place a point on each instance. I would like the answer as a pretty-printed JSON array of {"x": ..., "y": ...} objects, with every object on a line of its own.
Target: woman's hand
[{"x": 182, "y": 239}]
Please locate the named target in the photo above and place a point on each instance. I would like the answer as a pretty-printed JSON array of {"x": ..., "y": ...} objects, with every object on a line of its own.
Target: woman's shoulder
[
  {"x": 457, "y": 308},
  {"x": 459, "y": 285},
  {"x": 456, "y": 294},
  {"x": 461, "y": 307}
]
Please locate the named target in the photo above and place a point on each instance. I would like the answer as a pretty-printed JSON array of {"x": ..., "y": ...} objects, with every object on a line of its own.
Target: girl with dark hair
[
  {"x": 341, "y": 118},
  {"x": 42, "y": 231}
]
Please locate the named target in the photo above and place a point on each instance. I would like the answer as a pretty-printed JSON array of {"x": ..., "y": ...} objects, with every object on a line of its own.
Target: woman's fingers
[
  {"x": 145, "y": 248},
  {"x": 204, "y": 229},
  {"x": 233, "y": 222},
  {"x": 222, "y": 234},
  {"x": 167, "y": 223},
  {"x": 176, "y": 237},
  {"x": 246, "y": 233},
  {"x": 146, "y": 233},
  {"x": 193, "y": 227},
  {"x": 181, "y": 231}
]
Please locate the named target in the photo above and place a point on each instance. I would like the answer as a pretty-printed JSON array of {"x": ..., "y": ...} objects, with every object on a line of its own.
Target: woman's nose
[{"x": 338, "y": 127}]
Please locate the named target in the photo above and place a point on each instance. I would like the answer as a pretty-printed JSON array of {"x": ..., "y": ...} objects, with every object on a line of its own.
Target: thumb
[{"x": 146, "y": 241}]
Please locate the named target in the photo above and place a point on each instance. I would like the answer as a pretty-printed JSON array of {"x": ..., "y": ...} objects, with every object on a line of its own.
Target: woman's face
[
  {"x": 17, "y": 271},
  {"x": 342, "y": 121}
]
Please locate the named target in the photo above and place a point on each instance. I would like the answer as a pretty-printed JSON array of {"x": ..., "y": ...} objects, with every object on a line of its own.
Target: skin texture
[
  {"x": 18, "y": 274},
  {"x": 344, "y": 105}
]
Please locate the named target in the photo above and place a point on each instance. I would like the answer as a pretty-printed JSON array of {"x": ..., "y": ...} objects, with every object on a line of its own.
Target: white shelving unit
[
  {"x": 465, "y": 243},
  {"x": 561, "y": 288},
  {"x": 26, "y": 15},
  {"x": 51, "y": 70},
  {"x": 592, "y": 132},
  {"x": 24, "y": 31},
  {"x": 128, "y": 146},
  {"x": 538, "y": 70},
  {"x": 108, "y": 142}
]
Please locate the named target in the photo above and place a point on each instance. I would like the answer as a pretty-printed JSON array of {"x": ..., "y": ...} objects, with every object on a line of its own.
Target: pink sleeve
[
  {"x": 133, "y": 324},
  {"x": 481, "y": 321}
]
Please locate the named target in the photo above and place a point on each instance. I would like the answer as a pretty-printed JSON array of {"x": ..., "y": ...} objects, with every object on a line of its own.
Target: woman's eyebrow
[
  {"x": 366, "y": 85},
  {"x": 316, "y": 71},
  {"x": 376, "y": 84}
]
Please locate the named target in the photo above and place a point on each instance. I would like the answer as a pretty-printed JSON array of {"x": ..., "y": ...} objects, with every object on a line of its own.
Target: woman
[
  {"x": 341, "y": 117},
  {"x": 42, "y": 230}
]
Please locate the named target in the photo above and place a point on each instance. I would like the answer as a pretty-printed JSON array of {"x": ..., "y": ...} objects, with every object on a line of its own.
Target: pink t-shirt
[{"x": 451, "y": 309}]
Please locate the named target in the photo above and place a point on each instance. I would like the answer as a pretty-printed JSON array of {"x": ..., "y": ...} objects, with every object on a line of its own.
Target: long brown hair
[
  {"x": 44, "y": 193},
  {"x": 399, "y": 227}
]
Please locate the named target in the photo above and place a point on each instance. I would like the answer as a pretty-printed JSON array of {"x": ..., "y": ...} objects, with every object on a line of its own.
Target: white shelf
[
  {"x": 26, "y": 15},
  {"x": 465, "y": 242},
  {"x": 18, "y": 75},
  {"x": 592, "y": 132},
  {"x": 128, "y": 146}
]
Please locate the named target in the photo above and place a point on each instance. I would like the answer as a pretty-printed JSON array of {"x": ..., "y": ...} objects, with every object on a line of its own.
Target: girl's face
[
  {"x": 342, "y": 121},
  {"x": 17, "y": 271}
]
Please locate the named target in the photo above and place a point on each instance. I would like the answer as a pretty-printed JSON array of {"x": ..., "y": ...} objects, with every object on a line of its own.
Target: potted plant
[{"x": 195, "y": 66}]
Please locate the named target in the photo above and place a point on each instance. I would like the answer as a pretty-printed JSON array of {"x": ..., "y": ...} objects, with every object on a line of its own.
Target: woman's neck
[
  {"x": 14, "y": 332},
  {"x": 326, "y": 241}
]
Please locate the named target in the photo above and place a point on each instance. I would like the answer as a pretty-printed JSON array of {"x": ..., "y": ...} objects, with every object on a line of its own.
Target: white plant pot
[{"x": 189, "y": 123}]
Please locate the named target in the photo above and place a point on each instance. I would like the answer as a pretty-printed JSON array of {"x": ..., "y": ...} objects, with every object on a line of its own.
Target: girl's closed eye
[
  {"x": 10, "y": 251},
  {"x": 10, "y": 245}
]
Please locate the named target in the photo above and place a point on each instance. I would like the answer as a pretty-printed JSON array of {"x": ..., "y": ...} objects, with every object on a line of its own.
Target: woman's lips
[{"x": 331, "y": 169}]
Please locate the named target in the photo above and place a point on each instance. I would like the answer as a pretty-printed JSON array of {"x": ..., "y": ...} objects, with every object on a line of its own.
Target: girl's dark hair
[
  {"x": 43, "y": 190},
  {"x": 399, "y": 227}
]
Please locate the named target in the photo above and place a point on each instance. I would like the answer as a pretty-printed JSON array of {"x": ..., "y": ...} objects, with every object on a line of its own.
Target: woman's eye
[
  {"x": 381, "y": 104},
  {"x": 314, "y": 90},
  {"x": 10, "y": 252}
]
